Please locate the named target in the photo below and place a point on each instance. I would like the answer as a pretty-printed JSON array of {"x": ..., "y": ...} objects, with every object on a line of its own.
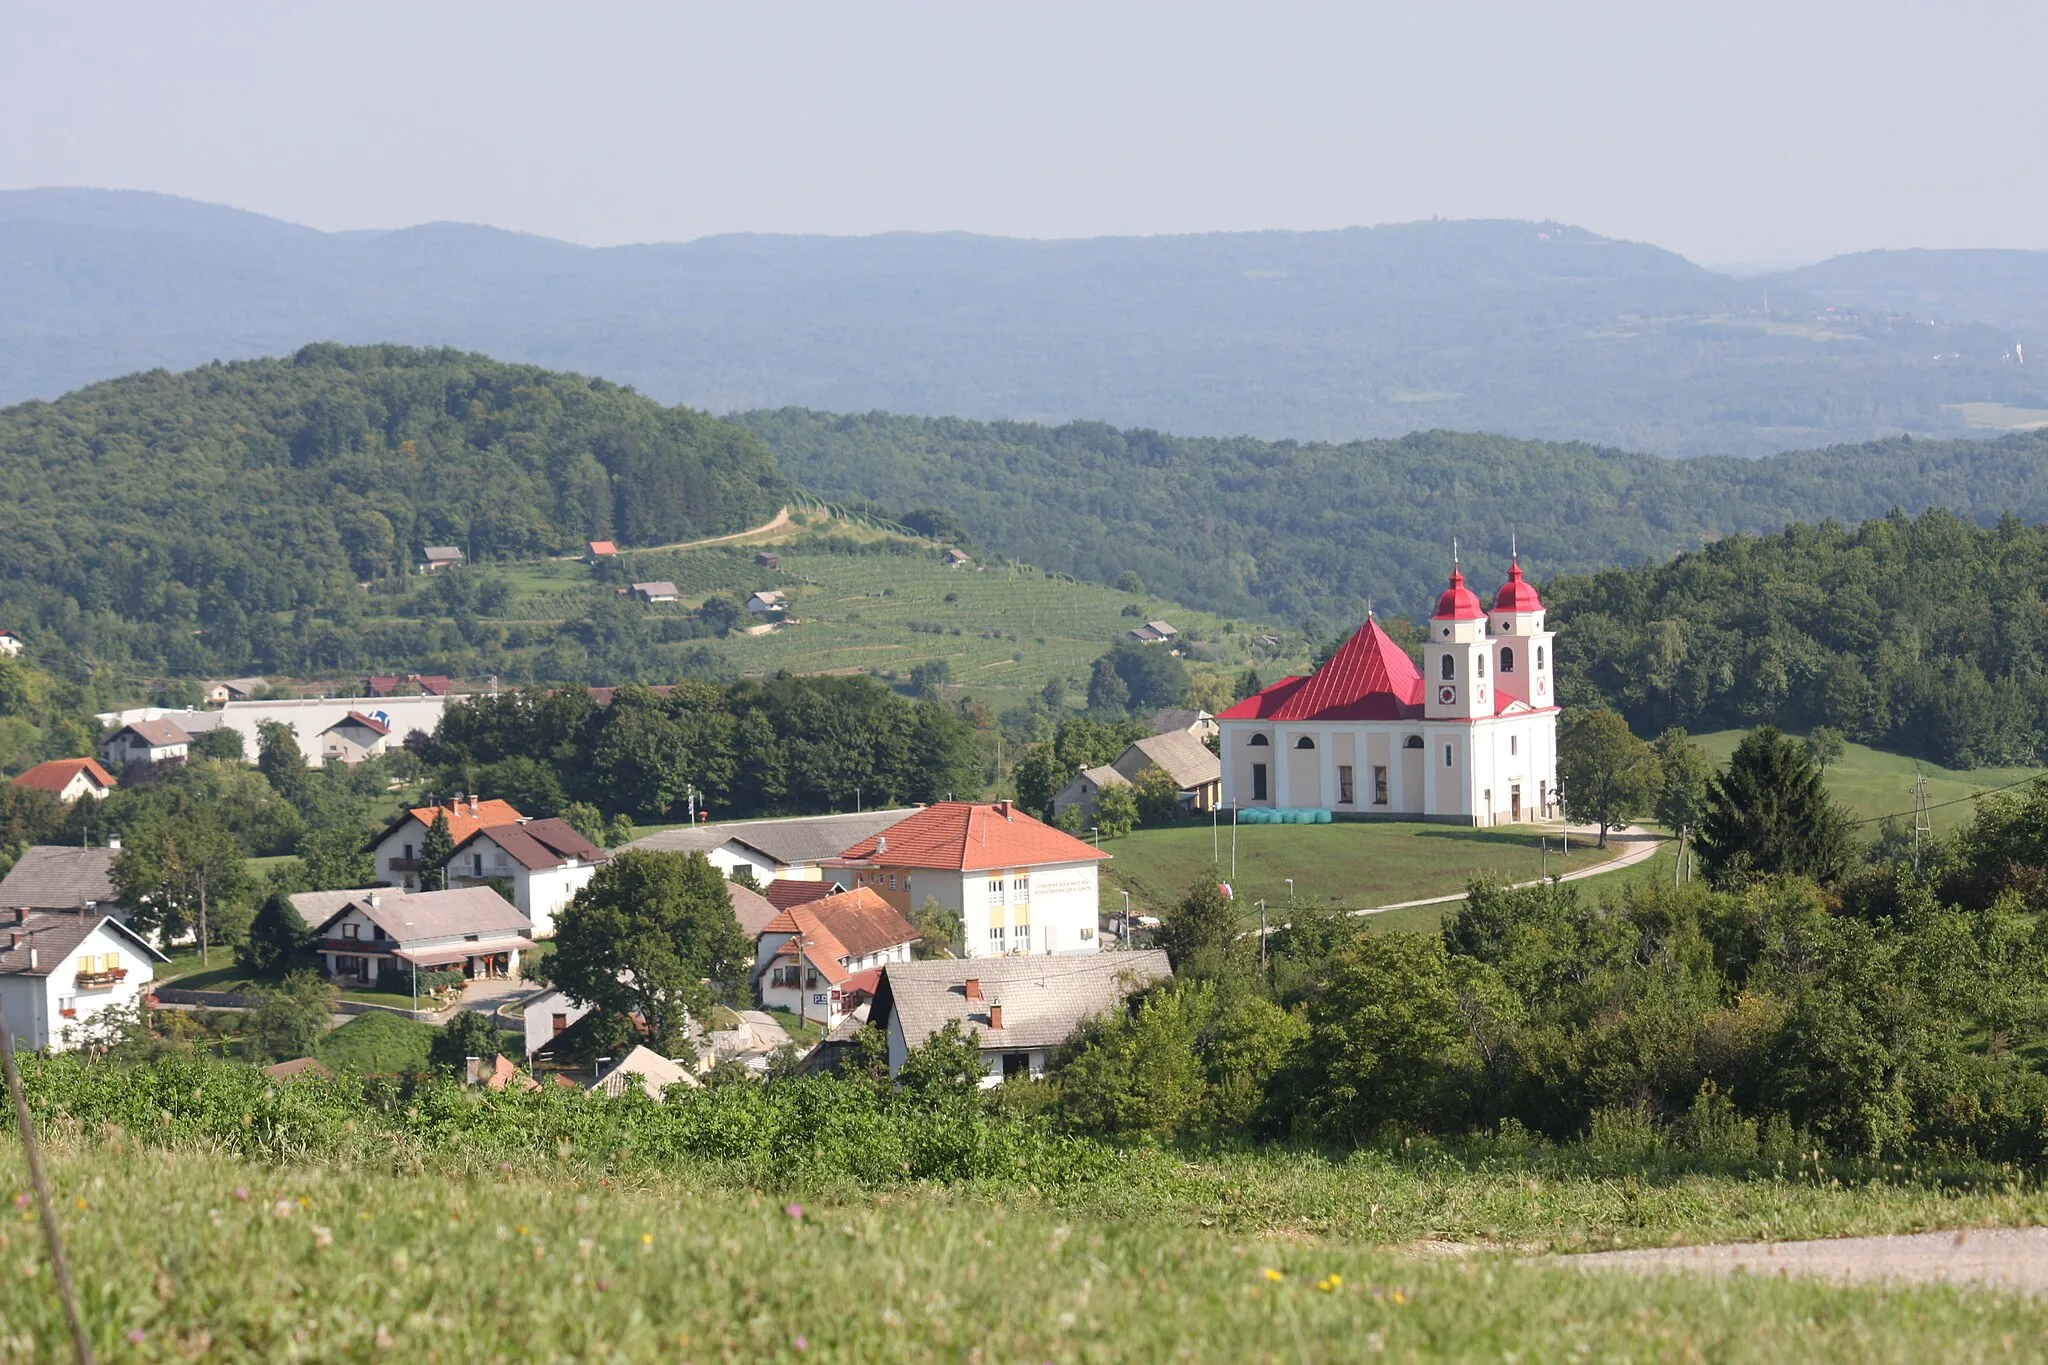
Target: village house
[
  {"x": 1194, "y": 721},
  {"x": 1469, "y": 738},
  {"x": 602, "y": 549},
  {"x": 1018, "y": 884},
  {"x": 234, "y": 689},
  {"x": 10, "y": 643},
  {"x": 146, "y": 741},
  {"x": 546, "y": 861},
  {"x": 786, "y": 892},
  {"x": 1197, "y": 774},
  {"x": 661, "y": 590},
  {"x": 58, "y": 971},
  {"x": 796, "y": 848},
  {"x": 1018, "y": 1010},
  {"x": 1153, "y": 633},
  {"x": 821, "y": 959},
  {"x": 365, "y": 935},
  {"x": 547, "y": 1015},
  {"x": 354, "y": 738},
  {"x": 770, "y": 603},
  {"x": 64, "y": 878},
  {"x": 768, "y": 559},
  {"x": 306, "y": 717},
  {"x": 645, "y": 1070},
  {"x": 955, "y": 559},
  {"x": 68, "y": 779},
  {"x": 440, "y": 557}
]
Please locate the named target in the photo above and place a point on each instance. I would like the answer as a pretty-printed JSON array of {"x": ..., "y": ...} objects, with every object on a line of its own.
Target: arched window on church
[
  {"x": 1479, "y": 666},
  {"x": 1449, "y": 668},
  {"x": 1412, "y": 742},
  {"x": 1304, "y": 743},
  {"x": 1259, "y": 741},
  {"x": 1514, "y": 745},
  {"x": 1507, "y": 661},
  {"x": 1539, "y": 656}
]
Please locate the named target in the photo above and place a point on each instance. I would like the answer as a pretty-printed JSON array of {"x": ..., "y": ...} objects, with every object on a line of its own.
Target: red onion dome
[
  {"x": 1458, "y": 603},
  {"x": 1517, "y": 594}
]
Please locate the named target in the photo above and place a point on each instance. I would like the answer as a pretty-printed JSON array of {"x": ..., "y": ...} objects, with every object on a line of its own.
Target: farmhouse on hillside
[
  {"x": 68, "y": 779},
  {"x": 367, "y": 934},
  {"x": 602, "y": 549},
  {"x": 1193, "y": 720},
  {"x": 10, "y": 643},
  {"x": 768, "y": 559},
  {"x": 59, "y": 970},
  {"x": 1018, "y": 1010},
  {"x": 659, "y": 591},
  {"x": 1018, "y": 884},
  {"x": 147, "y": 741},
  {"x": 821, "y": 959},
  {"x": 234, "y": 689},
  {"x": 955, "y": 559},
  {"x": 1470, "y": 738},
  {"x": 1197, "y": 774},
  {"x": 440, "y": 557},
  {"x": 1153, "y": 633}
]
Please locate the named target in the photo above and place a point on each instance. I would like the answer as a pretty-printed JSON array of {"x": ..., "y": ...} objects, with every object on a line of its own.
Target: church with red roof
[{"x": 1468, "y": 738}]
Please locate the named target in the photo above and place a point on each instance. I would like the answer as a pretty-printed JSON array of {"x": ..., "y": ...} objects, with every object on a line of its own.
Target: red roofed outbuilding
[{"x": 68, "y": 779}]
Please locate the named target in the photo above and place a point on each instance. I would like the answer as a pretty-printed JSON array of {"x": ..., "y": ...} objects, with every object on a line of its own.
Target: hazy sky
[{"x": 1733, "y": 132}]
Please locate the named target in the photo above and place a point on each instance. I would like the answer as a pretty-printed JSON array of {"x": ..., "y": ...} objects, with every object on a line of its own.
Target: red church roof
[
  {"x": 1458, "y": 603},
  {"x": 1517, "y": 594},
  {"x": 1368, "y": 678}
]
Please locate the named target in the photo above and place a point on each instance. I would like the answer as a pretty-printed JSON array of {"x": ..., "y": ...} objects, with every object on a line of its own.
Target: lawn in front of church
[{"x": 1350, "y": 865}]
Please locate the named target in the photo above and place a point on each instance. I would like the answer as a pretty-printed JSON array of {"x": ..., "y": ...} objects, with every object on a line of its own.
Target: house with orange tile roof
[
  {"x": 1469, "y": 738},
  {"x": 1019, "y": 885},
  {"x": 353, "y": 738},
  {"x": 822, "y": 959},
  {"x": 68, "y": 779},
  {"x": 398, "y": 848}
]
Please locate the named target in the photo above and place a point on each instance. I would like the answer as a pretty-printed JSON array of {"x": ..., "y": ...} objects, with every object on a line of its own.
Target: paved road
[
  {"x": 2014, "y": 1259},
  {"x": 1642, "y": 845}
]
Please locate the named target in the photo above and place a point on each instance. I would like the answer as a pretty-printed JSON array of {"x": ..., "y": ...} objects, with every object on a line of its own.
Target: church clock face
[{"x": 1447, "y": 695}]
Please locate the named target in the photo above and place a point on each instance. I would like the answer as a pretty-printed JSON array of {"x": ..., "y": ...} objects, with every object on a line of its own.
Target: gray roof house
[
  {"x": 60, "y": 877},
  {"x": 1018, "y": 1008},
  {"x": 775, "y": 848},
  {"x": 661, "y": 590},
  {"x": 440, "y": 557},
  {"x": 1197, "y": 774},
  {"x": 1194, "y": 721}
]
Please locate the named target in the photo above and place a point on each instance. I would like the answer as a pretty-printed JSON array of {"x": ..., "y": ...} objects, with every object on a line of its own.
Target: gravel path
[
  {"x": 2013, "y": 1259},
  {"x": 1640, "y": 845}
]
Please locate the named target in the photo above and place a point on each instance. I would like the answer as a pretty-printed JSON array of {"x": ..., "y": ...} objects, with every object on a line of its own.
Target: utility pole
[
  {"x": 1233, "y": 845},
  {"x": 1923, "y": 824},
  {"x": 1215, "y": 838},
  {"x": 1127, "y": 920},
  {"x": 1262, "y": 936}
]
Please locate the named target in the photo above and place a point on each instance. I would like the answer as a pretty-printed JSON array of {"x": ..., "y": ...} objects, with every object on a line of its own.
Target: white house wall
[
  {"x": 32, "y": 1006},
  {"x": 1060, "y": 902}
]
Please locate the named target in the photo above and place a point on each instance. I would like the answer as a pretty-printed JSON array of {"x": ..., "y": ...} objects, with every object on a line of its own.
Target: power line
[{"x": 1956, "y": 801}]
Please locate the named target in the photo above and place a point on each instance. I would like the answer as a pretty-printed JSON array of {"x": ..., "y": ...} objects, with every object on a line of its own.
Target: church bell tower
[{"x": 1457, "y": 683}]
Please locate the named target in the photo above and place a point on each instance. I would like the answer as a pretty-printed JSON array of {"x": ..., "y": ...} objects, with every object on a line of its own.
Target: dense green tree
[
  {"x": 1108, "y": 694},
  {"x": 1387, "y": 1042},
  {"x": 1199, "y": 931},
  {"x": 1116, "y": 811},
  {"x": 185, "y": 876},
  {"x": 1158, "y": 797},
  {"x": 466, "y": 1034},
  {"x": 435, "y": 852},
  {"x": 644, "y": 936},
  {"x": 1606, "y": 775},
  {"x": 948, "y": 1066},
  {"x": 287, "y": 1021},
  {"x": 1685, "y": 772},
  {"x": 279, "y": 940},
  {"x": 1152, "y": 676},
  {"x": 224, "y": 742},
  {"x": 335, "y": 860},
  {"x": 1769, "y": 813}
]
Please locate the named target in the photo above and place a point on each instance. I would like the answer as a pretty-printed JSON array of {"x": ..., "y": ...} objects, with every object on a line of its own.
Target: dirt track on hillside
[{"x": 2011, "y": 1259}]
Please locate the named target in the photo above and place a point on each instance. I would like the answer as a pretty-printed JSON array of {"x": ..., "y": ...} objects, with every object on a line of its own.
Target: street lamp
[
  {"x": 1290, "y": 891},
  {"x": 1095, "y": 833}
]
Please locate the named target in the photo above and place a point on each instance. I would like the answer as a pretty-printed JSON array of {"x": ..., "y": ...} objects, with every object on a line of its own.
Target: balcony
[
  {"x": 403, "y": 864},
  {"x": 99, "y": 981}
]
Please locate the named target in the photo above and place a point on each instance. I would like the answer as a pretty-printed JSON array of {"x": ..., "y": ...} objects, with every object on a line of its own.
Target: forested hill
[
  {"x": 144, "y": 511},
  {"x": 1533, "y": 329},
  {"x": 1297, "y": 529}
]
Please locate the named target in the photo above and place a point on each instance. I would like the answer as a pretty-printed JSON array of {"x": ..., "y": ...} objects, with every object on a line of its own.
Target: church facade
[{"x": 1470, "y": 738}]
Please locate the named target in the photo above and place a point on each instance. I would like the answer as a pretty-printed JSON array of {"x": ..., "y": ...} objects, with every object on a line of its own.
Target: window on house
[
  {"x": 1539, "y": 656},
  {"x": 995, "y": 935},
  {"x": 1016, "y": 1064},
  {"x": 558, "y": 1022},
  {"x": 408, "y": 852},
  {"x": 1258, "y": 781},
  {"x": 1448, "y": 668},
  {"x": 1379, "y": 785},
  {"x": 1479, "y": 667},
  {"x": 892, "y": 881},
  {"x": 476, "y": 863},
  {"x": 1259, "y": 741},
  {"x": 1412, "y": 742},
  {"x": 1304, "y": 743},
  {"x": 1020, "y": 889},
  {"x": 1514, "y": 744},
  {"x": 811, "y": 979},
  {"x": 1087, "y": 933},
  {"x": 1345, "y": 795},
  {"x": 995, "y": 888},
  {"x": 1024, "y": 937},
  {"x": 1447, "y": 755},
  {"x": 377, "y": 932},
  {"x": 1507, "y": 661},
  {"x": 351, "y": 931}
]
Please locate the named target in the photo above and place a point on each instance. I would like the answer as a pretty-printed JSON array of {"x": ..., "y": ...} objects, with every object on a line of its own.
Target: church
[{"x": 1469, "y": 739}]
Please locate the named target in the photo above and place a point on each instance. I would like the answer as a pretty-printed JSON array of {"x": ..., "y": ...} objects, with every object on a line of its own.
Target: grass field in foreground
[
  {"x": 1873, "y": 783},
  {"x": 242, "y": 1262},
  {"x": 1351, "y": 865}
]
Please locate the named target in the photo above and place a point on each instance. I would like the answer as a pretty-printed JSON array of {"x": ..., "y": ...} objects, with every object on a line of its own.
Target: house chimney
[
  {"x": 1003, "y": 808},
  {"x": 14, "y": 940},
  {"x": 376, "y": 899},
  {"x": 472, "y": 1070},
  {"x": 472, "y": 806},
  {"x": 974, "y": 988},
  {"x": 21, "y": 914},
  {"x": 881, "y": 844},
  {"x": 32, "y": 955},
  {"x": 995, "y": 1014}
]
